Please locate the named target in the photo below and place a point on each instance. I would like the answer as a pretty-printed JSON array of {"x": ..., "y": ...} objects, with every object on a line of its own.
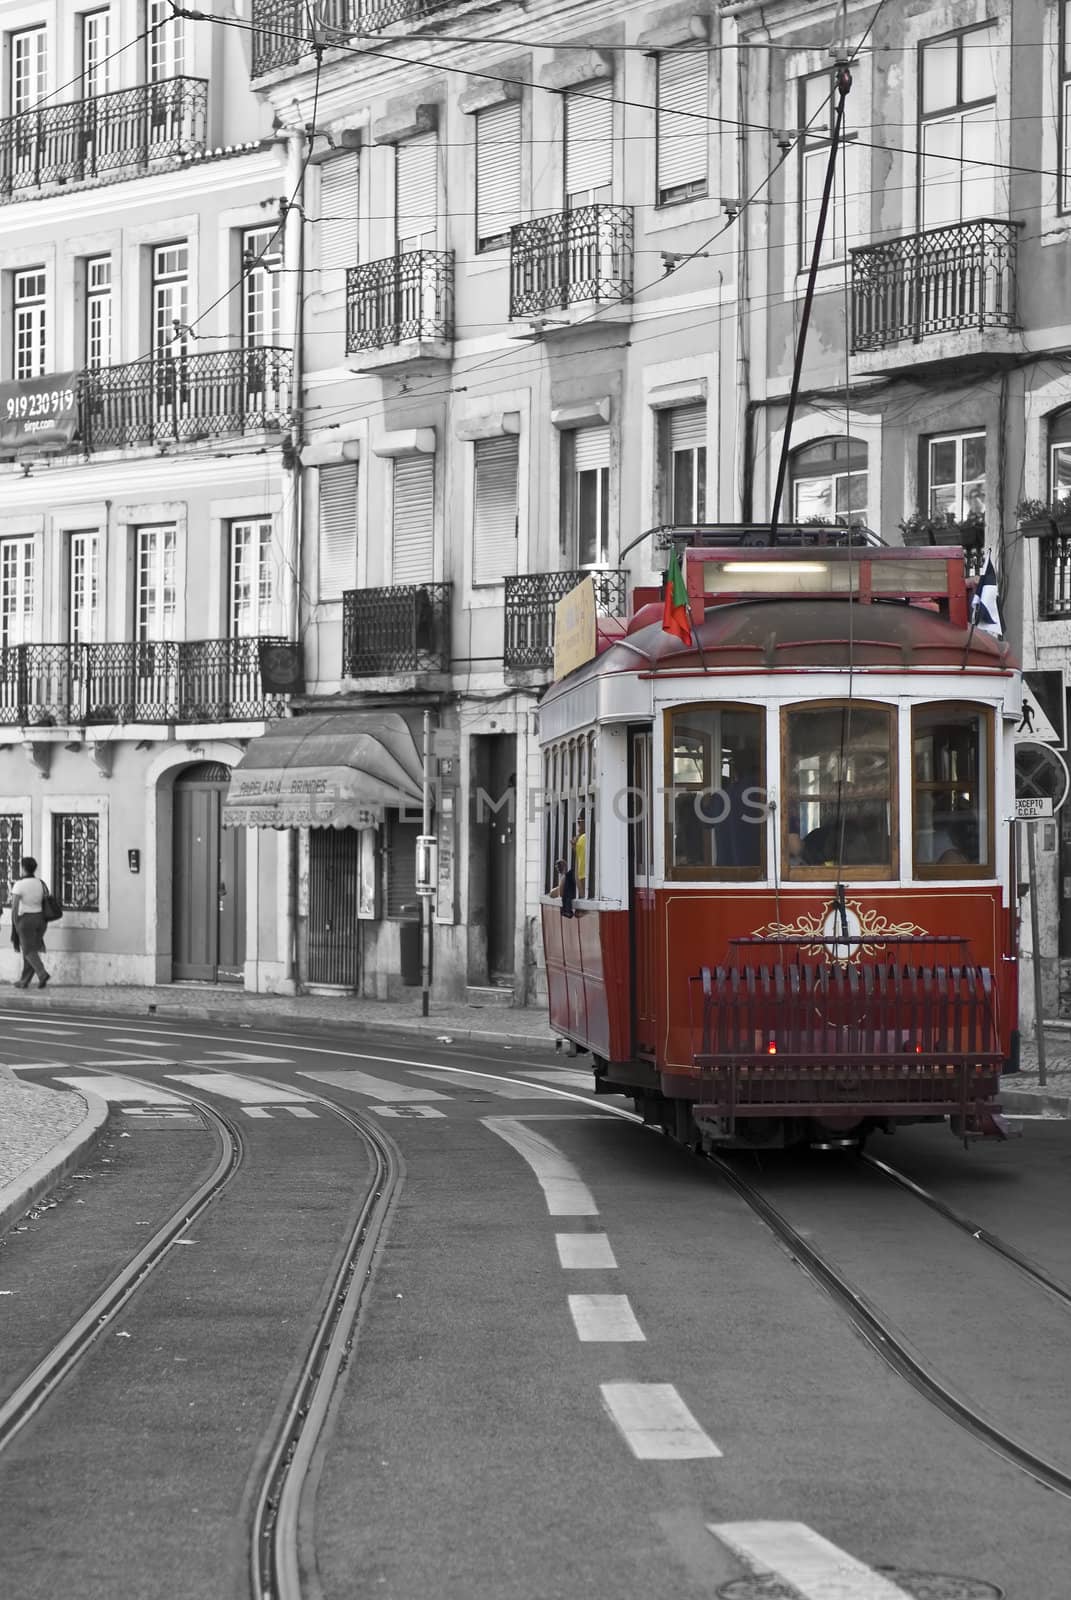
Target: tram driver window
[
  {"x": 715, "y": 793},
  {"x": 951, "y": 824},
  {"x": 839, "y": 810}
]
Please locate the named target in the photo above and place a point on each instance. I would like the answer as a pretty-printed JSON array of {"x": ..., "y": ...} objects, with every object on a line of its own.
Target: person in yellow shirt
[{"x": 580, "y": 855}]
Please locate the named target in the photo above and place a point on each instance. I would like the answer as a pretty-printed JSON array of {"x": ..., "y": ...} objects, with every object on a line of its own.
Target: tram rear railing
[{"x": 812, "y": 1025}]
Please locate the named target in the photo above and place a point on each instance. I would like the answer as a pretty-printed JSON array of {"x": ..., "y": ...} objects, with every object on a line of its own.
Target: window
[
  {"x": 498, "y": 174},
  {"x": 96, "y": 54},
  {"x": 338, "y": 529},
  {"x": 83, "y": 593},
  {"x": 251, "y": 578},
  {"x": 957, "y": 475},
  {"x": 11, "y": 853},
  {"x": 844, "y": 221},
  {"x": 681, "y": 126},
  {"x": 1064, "y": 109},
  {"x": 167, "y": 41},
  {"x": 494, "y": 530},
  {"x": 30, "y": 318},
  {"x": 29, "y": 69},
  {"x": 16, "y": 591},
  {"x": 951, "y": 781},
  {"x": 261, "y": 264},
  {"x": 413, "y": 524},
  {"x": 98, "y": 350},
  {"x": 683, "y": 463},
  {"x": 570, "y": 774},
  {"x": 958, "y": 126},
  {"x": 76, "y": 860},
  {"x": 157, "y": 591},
  {"x": 829, "y": 482},
  {"x": 715, "y": 792},
  {"x": 586, "y": 495},
  {"x": 416, "y": 193},
  {"x": 589, "y": 151},
  {"x": 338, "y": 217},
  {"x": 839, "y": 779},
  {"x": 171, "y": 298}
]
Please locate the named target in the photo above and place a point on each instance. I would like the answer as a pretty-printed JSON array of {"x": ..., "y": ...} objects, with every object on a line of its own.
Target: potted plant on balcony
[
  {"x": 1038, "y": 519},
  {"x": 944, "y": 527}
]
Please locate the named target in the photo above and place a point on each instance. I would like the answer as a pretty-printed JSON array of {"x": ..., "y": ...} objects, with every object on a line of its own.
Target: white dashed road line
[
  {"x": 656, "y": 1423},
  {"x": 477, "y": 1080},
  {"x": 605, "y": 1319},
  {"x": 584, "y": 1251},
  {"x": 816, "y": 1569},
  {"x": 376, "y": 1088},
  {"x": 562, "y": 1075},
  {"x": 231, "y": 1087},
  {"x": 565, "y": 1192},
  {"x": 125, "y": 1089}
]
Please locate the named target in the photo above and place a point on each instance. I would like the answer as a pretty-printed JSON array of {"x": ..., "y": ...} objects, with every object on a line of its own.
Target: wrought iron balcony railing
[
  {"x": 402, "y": 628},
  {"x": 104, "y": 138},
  {"x": 530, "y": 603},
  {"x": 1054, "y": 589},
  {"x": 939, "y": 281},
  {"x": 167, "y": 680},
  {"x": 570, "y": 258},
  {"x": 282, "y": 32},
  {"x": 163, "y": 399},
  {"x": 400, "y": 298}
]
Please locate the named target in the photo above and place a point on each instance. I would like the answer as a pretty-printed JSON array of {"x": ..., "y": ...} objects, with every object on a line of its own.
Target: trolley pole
[
  {"x": 1035, "y": 950},
  {"x": 425, "y": 899}
]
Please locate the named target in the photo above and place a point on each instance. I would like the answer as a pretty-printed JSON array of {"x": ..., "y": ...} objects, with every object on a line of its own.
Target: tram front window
[
  {"x": 839, "y": 811},
  {"x": 715, "y": 793},
  {"x": 951, "y": 824}
]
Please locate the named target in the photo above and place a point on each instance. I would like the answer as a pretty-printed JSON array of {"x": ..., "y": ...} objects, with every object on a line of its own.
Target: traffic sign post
[{"x": 1041, "y": 784}]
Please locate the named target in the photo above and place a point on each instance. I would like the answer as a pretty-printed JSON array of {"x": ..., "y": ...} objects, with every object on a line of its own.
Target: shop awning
[{"x": 334, "y": 770}]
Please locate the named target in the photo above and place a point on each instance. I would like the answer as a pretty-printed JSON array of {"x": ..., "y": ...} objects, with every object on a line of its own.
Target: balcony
[
  {"x": 958, "y": 280},
  {"x": 1054, "y": 588},
  {"x": 401, "y": 628},
  {"x": 282, "y": 35},
  {"x": 180, "y": 399},
  {"x": 401, "y": 308},
  {"x": 82, "y": 685},
  {"x": 530, "y": 603},
  {"x": 103, "y": 139},
  {"x": 569, "y": 259}
]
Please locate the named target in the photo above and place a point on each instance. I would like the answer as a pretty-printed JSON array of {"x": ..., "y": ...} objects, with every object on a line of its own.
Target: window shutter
[
  {"x": 416, "y": 189},
  {"x": 494, "y": 533},
  {"x": 687, "y": 427},
  {"x": 338, "y": 530},
  {"x": 589, "y": 153},
  {"x": 498, "y": 172},
  {"x": 338, "y": 212},
  {"x": 402, "y": 899},
  {"x": 413, "y": 530},
  {"x": 682, "y": 139},
  {"x": 591, "y": 449}
]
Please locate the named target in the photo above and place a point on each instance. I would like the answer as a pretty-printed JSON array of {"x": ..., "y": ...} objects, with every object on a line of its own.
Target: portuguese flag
[{"x": 675, "y": 602}]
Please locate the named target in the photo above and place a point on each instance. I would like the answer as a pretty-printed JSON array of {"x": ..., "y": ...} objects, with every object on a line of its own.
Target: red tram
[{"x": 778, "y": 897}]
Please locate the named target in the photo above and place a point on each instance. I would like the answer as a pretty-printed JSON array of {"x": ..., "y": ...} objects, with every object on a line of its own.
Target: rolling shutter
[
  {"x": 589, "y": 153},
  {"x": 338, "y": 212},
  {"x": 494, "y": 532},
  {"x": 338, "y": 530},
  {"x": 681, "y": 134},
  {"x": 416, "y": 192},
  {"x": 413, "y": 531},
  {"x": 498, "y": 173},
  {"x": 688, "y": 428},
  {"x": 591, "y": 449}
]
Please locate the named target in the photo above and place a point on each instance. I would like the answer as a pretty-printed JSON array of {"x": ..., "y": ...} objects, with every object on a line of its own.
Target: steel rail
[
  {"x": 65, "y": 1354},
  {"x": 879, "y": 1335},
  {"x": 992, "y": 1241}
]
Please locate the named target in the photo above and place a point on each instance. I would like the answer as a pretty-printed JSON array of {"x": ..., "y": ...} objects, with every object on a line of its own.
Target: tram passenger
[{"x": 580, "y": 855}]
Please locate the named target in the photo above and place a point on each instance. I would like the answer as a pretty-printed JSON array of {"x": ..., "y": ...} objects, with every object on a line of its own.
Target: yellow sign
[{"x": 574, "y": 629}]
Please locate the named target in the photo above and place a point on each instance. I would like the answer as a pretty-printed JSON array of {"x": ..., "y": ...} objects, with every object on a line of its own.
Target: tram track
[{"x": 879, "y": 1334}]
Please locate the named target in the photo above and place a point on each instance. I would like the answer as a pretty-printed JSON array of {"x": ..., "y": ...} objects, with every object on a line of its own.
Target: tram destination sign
[{"x": 39, "y": 413}]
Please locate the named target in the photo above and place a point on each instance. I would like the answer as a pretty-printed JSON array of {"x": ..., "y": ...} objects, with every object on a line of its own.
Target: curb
[
  {"x": 18, "y": 1196},
  {"x": 1020, "y": 1102}
]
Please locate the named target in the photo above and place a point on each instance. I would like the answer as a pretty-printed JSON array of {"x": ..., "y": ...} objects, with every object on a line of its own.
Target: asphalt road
[{"x": 583, "y": 1366}]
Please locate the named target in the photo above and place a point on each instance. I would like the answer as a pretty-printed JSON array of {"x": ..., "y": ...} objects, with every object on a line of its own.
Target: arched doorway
[{"x": 208, "y": 883}]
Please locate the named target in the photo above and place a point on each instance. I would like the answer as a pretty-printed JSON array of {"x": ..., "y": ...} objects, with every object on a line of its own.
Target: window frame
[
  {"x": 29, "y": 315},
  {"x": 832, "y": 443},
  {"x": 156, "y": 573},
  {"x": 261, "y": 294},
  {"x": 1063, "y": 109},
  {"x": 692, "y": 188},
  {"x": 99, "y": 309},
  {"x": 673, "y": 789},
  {"x": 960, "y": 511},
  {"x": 483, "y": 512},
  {"x": 570, "y": 789},
  {"x": 53, "y": 806},
  {"x": 959, "y": 109},
  {"x": 250, "y": 565},
  {"x": 18, "y": 585},
  {"x": 930, "y": 870},
  {"x": 667, "y": 465},
  {"x": 798, "y": 872},
  {"x": 84, "y": 550},
  {"x": 811, "y": 143},
  {"x": 485, "y": 244}
]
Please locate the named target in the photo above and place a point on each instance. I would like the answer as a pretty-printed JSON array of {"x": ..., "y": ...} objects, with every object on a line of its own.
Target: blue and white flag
[{"x": 985, "y": 608}]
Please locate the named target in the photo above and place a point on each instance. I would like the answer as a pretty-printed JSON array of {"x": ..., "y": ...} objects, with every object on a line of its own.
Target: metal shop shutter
[
  {"x": 688, "y": 428},
  {"x": 416, "y": 191},
  {"x": 413, "y": 533},
  {"x": 338, "y": 530},
  {"x": 589, "y": 127},
  {"x": 403, "y": 902},
  {"x": 498, "y": 172},
  {"x": 338, "y": 211},
  {"x": 682, "y": 139},
  {"x": 494, "y": 532},
  {"x": 591, "y": 449}
]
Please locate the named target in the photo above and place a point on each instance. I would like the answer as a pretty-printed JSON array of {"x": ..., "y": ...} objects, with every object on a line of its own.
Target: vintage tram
[{"x": 778, "y": 902}]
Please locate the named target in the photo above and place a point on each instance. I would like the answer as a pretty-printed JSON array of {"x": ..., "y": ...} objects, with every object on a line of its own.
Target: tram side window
[
  {"x": 951, "y": 784},
  {"x": 569, "y": 771},
  {"x": 715, "y": 792},
  {"x": 839, "y": 807}
]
